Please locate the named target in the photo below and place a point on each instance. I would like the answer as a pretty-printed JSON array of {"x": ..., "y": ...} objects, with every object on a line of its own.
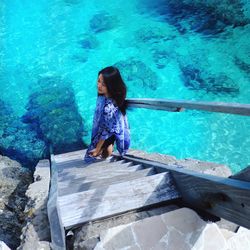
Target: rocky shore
[
  {"x": 14, "y": 182},
  {"x": 36, "y": 231}
]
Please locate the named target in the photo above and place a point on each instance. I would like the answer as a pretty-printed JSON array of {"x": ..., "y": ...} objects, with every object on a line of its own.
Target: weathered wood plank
[
  {"x": 227, "y": 199},
  {"x": 175, "y": 105},
  {"x": 243, "y": 175},
  {"x": 118, "y": 198},
  {"x": 76, "y": 164},
  {"x": 56, "y": 228},
  {"x": 223, "y": 197},
  {"x": 97, "y": 174},
  {"x": 101, "y": 171},
  {"x": 70, "y": 156},
  {"x": 80, "y": 164},
  {"x": 156, "y": 107},
  {"x": 83, "y": 184}
]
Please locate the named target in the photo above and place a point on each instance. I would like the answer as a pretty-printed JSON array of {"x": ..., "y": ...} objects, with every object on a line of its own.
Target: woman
[{"x": 110, "y": 121}]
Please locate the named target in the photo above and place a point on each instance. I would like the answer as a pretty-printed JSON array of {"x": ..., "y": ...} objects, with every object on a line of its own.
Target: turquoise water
[{"x": 59, "y": 38}]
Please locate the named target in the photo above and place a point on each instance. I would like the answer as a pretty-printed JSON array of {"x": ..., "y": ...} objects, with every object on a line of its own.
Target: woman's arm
[{"x": 106, "y": 127}]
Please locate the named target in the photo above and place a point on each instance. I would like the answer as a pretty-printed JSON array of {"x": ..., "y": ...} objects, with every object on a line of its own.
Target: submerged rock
[
  {"x": 6, "y": 116},
  {"x": 139, "y": 73},
  {"x": 161, "y": 57},
  {"x": 192, "y": 77},
  {"x": 103, "y": 22},
  {"x": 227, "y": 11},
  {"x": 17, "y": 140},
  {"x": 152, "y": 35},
  {"x": 52, "y": 113},
  {"x": 244, "y": 66},
  {"x": 80, "y": 58},
  {"x": 222, "y": 84},
  {"x": 195, "y": 79},
  {"x": 89, "y": 41},
  {"x": 206, "y": 17}
]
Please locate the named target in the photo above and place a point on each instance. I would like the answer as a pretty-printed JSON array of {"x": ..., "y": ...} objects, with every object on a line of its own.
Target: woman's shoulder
[
  {"x": 111, "y": 102},
  {"x": 110, "y": 106}
]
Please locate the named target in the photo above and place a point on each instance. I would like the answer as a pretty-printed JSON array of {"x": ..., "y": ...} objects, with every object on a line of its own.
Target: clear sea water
[{"x": 43, "y": 38}]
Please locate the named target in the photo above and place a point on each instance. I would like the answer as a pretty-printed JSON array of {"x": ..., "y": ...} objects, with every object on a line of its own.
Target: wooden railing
[
  {"x": 180, "y": 105},
  {"x": 224, "y": 197},
  {"x": 228, "y": 198}
]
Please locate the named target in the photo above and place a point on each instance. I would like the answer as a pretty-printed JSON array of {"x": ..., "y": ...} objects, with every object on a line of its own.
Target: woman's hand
[{"x": 94, "y": 152}]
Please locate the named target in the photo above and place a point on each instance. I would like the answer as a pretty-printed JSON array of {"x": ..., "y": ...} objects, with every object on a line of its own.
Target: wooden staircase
[
  {"x": 81, "y": 193},
  {"x": 88, "y": 192}
]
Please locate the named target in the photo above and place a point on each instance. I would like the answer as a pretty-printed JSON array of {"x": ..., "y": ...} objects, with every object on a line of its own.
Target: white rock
[
  {"x": 184, "y": 220},
  {"x": 243, "y": 230},
  {"x": 36, "y": 233},
  {"x": 178, "y": 229},
  {"x": 240, "y": 241},
  {"x": 3, "y": 246},
  {"x": 210, "y": 238},
  {"x": 227, "y": 234}
]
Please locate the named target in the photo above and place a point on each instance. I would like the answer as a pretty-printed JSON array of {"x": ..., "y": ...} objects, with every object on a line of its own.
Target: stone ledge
[
  {"x": 36, "y": 232},
  {"x": 203, "y": 167},
  {"x": 179, "y": 229}
]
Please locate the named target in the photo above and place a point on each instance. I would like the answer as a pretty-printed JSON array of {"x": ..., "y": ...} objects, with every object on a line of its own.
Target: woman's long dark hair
[{"x": 115, "y": 86}]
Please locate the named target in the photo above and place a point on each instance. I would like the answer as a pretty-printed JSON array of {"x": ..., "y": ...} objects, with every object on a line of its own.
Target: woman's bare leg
[{"x": 107, "y": 151}]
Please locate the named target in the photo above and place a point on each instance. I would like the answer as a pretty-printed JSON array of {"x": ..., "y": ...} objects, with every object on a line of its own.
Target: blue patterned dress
[{"x": 108, "y": 121}]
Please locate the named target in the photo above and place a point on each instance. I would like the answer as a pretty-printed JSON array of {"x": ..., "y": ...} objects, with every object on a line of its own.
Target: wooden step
[
  {"x": 99, "y": 171},
  {"x": 79, "y": 164},
  {"x": 104, "y": 171},
  {"x": 118, "y": 198},
  {"x": 94, "y": 168},
  {"x": 75, "y": 155},
  {"x": 92, "y": 182}
]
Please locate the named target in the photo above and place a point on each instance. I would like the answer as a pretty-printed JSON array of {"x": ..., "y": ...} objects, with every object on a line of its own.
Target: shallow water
[{"x": 168, "y": 54}]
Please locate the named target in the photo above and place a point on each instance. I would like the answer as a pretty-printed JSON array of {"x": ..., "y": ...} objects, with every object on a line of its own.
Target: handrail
[{"x": 178, "y": 105}]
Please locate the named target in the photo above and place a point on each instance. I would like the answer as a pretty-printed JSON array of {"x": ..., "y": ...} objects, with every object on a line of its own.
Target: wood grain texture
[
  {"x": 95, "y": 204},
  {"x": 80, "y": 165},
  {"x": 94, "y": 176},
  {"x": 70, "y": 156},
  {"x": 97, "y": 171},
  {"x": 98, "y": 174},
  {"x": 227, "y": 199},
  {"x": 172, "y": 105},
  {"x": 96, "y": 181},
  {"x": 56, "y": 228}
]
